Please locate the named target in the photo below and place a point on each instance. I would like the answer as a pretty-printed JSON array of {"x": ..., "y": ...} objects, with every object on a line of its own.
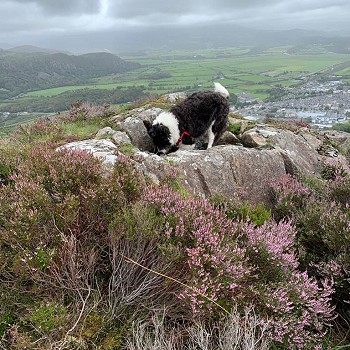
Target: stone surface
[
  {"x": 118, "y": 137},
  {"x": 224, "y": 170},
  {"x": 244, "y": 124},
  {"x": 228, "y": 139},
  {"x": 137, "y": 133},
  {"x": 175, "y": 96},
  {"x": 299, "y": 151},
  {"x": 149, "y": 114},
  {"x": 102, "y": 149}
]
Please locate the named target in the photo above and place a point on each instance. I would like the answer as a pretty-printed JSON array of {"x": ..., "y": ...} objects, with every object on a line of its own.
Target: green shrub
[
  {"x": 235, "y": 128},
  {"x": 64, "y": 223},
  {"x": 322, "y": 218},
  {"x": 237, "y": 210},
  {"x": 46, "y": 317},
  {"x": 235, "y": 263},
  {"x": 342, "y": 127}
]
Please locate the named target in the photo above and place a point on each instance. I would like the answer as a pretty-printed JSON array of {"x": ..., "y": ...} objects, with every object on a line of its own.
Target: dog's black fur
[
  {"x": 160, "y": 135},
  {"x": 195, "y": 115},
  {"x": 199, "y": 110}
]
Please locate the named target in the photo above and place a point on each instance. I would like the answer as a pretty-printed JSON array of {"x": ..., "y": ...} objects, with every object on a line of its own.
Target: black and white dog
[{"x": 203, "y": 115}]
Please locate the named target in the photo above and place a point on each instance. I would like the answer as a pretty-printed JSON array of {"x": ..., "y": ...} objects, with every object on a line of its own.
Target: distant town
[{"x": 322, "y": 104}]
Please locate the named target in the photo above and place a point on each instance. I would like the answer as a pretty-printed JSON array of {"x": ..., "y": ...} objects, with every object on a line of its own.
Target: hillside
[
  {"x": 21, "y": 73},
  {"x": 105, "y": 245}
]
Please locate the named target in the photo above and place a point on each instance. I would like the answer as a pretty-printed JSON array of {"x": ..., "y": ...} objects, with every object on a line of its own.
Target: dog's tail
[{"x": 221, "y": 90}]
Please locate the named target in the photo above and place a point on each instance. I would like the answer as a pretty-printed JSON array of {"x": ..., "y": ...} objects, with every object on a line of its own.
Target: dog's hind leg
[
  {"x": 219, "y": 127},
  {"x": 211, "y": 136}
]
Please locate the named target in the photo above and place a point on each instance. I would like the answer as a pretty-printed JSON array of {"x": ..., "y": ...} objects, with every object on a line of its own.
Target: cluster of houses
[{"x": 322, "y": 105}]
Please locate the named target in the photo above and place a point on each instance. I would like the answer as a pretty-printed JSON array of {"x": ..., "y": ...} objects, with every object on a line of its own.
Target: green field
[
  {"x": 59, "y": 90},
  {"x": 236, "y": 69}
]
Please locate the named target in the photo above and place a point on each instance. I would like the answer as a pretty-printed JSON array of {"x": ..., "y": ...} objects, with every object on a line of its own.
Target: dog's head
[{"x": 161, "y": 137}]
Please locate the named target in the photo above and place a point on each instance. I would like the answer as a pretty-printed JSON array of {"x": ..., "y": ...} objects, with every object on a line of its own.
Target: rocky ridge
[{"x": 245, "y": 162}]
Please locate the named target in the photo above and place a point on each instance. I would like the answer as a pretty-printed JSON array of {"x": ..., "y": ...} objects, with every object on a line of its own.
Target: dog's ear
[{"x": 147, "y": 124}]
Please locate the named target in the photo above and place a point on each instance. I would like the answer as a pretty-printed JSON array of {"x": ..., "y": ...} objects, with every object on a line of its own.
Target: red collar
[{"x": 182, "y": 136}]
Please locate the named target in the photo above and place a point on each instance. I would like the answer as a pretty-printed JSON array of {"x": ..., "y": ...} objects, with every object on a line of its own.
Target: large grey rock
[
  {"x": 228, "y": 138},
  {"x": 131, "y": 122},
  {"x": 298, "y": 151},
  {"x": 340, "y": 139},
  {"x": 175, "y": 96},
  {"x": 149, "y": 114},
  {"x": 137, "y": 132},
  {"x": 102, "y": 149},
  {"x": 224, "y": 170},
  {"x": 242, "y": 123},
  {"x": 118, "y": 137},
  {"x": 227, "y": 169}
]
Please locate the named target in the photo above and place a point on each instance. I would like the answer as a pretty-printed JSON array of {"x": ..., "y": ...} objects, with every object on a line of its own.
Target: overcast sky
[{"x": 52, "y": 23}]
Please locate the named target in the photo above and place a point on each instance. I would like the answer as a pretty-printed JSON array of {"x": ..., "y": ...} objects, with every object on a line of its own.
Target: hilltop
[
  {"x": 32, "y": 70},
  {"x": 33, "y": 49}
]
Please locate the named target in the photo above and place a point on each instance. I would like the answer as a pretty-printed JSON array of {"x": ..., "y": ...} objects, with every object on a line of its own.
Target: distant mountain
[
  {"x": 5, "y": 46},
  {"x": 199, "y": 37},
  {"x": 21, "y": 73},
  {"x": 33, "y": 49}
]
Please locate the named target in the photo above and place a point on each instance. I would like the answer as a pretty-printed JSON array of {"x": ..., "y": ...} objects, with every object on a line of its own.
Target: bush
[
  {"x": 46, "y": 317},
  {"x": 235, "y": 263},
  {"x": 7, "y": 167},
  {"x": 232, "y": 332},
  {"x": 59, "y": 236},
  {"x": 81, "y": 121},
  {"x": 322, "y": 218},
  {"x": 43, "y": 129},
  {"x": 81, "y": 110},
  {"x": 342, "y": 127},
  {"x": 332, "y": 170},
  {"x": 87, "y": 252}
]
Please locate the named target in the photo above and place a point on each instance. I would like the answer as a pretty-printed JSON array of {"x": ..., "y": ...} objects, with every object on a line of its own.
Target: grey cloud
[
  {"x": 65, "y": 7},
  {"x": 29, "y": 21},
  {"x": 312, "y": 5},
  {"x": 141, "y": 8},
  {"x": 132, "y": 8}
]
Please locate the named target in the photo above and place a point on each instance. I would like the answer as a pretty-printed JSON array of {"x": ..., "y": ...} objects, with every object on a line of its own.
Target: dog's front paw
[{"x": 201, "y": 145}]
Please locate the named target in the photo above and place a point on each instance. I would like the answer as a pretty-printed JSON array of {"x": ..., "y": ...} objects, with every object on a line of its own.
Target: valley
[{"x": 266, "y": 76}]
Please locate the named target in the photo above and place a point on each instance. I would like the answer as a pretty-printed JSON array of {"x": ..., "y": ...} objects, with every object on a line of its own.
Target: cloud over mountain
[{"x": 43, "y": 22}]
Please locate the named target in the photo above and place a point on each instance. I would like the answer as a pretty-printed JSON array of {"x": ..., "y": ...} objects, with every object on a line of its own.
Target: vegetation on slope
[
  {"x": 342, "y": 127},
  {"x": 96, "y": 260},
  {"x": 63, "y": 101},
  {"x": 21, "y": 73}
]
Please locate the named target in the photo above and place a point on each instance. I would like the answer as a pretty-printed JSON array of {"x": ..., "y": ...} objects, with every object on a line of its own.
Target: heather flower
[
  {"x": 82, "y": 110},
  {"x": 239, "y": 263},
  {"x": 64, "y": 221},
  {"x": 322, "y": 218},
  {"x": 290, "y": 195}
]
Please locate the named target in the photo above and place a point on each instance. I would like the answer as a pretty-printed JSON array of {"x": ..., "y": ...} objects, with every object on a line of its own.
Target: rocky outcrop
[
  {"x": 338, "y": 139},
  {"x": 243, "y": 165},
  {"x": 222, "y": 170},
  {"x": 133, "y": 126},
  {"x": 118, "y": 137},
  {"x": 103, "y": 149},
  {"x": 298, "y": 150}
]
